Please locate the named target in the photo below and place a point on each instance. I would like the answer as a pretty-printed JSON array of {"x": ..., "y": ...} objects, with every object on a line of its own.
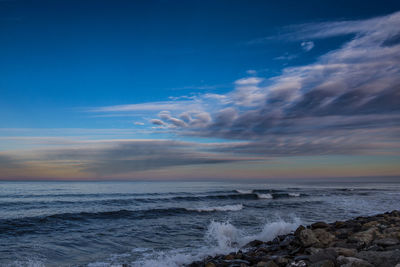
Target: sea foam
[
  {"x": 218, "y": 208},
  {"x": 221, "y": 238},
  {"x": 266, "y": 196}
]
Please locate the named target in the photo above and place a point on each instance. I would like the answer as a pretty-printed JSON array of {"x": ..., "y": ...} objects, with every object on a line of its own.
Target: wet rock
[
  {"x": 385, "y": 242},
  {"x": 254, "y": 243},
  {"x": 318, "y": 225},
  {"x": 324, "y": 237},
  {"x": 352, "y": 262},
  {"x": 282, "y": 261},
  {"x": 210, "y": 264},
  {"x": 325, "y": 263},
  {"x": 298, "y": 264},
  {"x": 308, "y": 238},
  {"x": 365, "y": 237},
  {"x": 380, "y": 258},
  {"x": 229, "y": 257},
  {"x": 302, "y": 257},
  {"x": 286, "y": 241},
  {"x": 347, "y": 252},
  {"x": 326, "y": 254},
  {"x": 267, "y": 264},
  {"x": 298, "y": 230}
]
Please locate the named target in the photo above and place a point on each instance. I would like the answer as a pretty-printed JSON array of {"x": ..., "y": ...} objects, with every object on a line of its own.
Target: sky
[{"x": 142, "y": 90}]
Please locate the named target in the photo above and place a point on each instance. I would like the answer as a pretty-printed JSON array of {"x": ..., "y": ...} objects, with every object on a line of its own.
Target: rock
[
  {"x": 365, "y": 237},
  {"x": 339, "y": 224},
  {"x": 324, "y": 237},
  {"x": 229, "y": 257},
  {"x": 370, "y": 224},
  {"x": 385, "y": 242},
  {"x": 318, "y": 225},
  {"x": 325, "y": 263},
  {"x": 210, "y": 264},
  {"x": 302, "y": 257},
  {"x": 254, "y": 243},
  {"x": 297, "y": 264},
  {"x": 380, "y": 258},
  {"x": 347, "y": 252},
  {"x": 326, "y": 254},
  {"x": 267, "y": 264},
  {"x": 281, "y": 261},
  {"x": 352, "y": 262},
  {"x": 308, "y": 238},
  {"x": 298, "y": 230},
  {"x": 286, "y": 241}
]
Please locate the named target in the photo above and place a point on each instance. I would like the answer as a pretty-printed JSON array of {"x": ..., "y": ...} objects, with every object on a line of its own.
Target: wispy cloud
[
  {"x": 307, "y": 46},
  {"x": 355, "y": 87}
]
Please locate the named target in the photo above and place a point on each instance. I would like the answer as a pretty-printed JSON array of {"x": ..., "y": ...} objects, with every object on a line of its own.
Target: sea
[{"x": 99, "y": 224}]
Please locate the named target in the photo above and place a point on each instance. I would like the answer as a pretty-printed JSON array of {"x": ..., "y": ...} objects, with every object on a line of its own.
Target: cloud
[
  {"x": 107, "y": 158},
  {"x": 157, "y": 122},
  {"x": 346, "y": 91},
  {"x": 307, "y": 46}
]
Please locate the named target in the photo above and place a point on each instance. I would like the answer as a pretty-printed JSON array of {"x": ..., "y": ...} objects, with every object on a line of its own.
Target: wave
[
  {"x": 294, "y": 194},
  {"x": 222, "y": 238},
  {"x": 264, "y": 196},
  {"x": 243, "y": 191},
  {"x": 31, "y": 224},
  {"x": 219, "y": 208}
]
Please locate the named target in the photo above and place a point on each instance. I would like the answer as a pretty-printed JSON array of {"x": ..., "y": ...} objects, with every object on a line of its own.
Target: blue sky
[{"x": 181, "y": 87}]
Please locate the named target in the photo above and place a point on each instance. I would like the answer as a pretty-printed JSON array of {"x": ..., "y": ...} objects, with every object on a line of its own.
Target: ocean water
[{"x": 168, "y": 223}]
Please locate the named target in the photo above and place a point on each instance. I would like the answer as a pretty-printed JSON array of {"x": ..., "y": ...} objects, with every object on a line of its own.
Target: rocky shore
[{"x": 360, "y": 242}]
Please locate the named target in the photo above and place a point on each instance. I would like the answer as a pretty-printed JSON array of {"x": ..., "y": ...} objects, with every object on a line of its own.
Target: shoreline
[{"x": 364, "y": 241}]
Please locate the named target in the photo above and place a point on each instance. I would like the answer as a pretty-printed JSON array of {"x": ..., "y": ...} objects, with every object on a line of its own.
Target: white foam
[
  {"x": 236, "y": 207},
  {"x": 265, "y": 196},
  {"x": 294, "y": 194},
  {"x": 242, "y": 191},
  {"x": 28, "y": 263},
  {"x": 221, "y": 238}
]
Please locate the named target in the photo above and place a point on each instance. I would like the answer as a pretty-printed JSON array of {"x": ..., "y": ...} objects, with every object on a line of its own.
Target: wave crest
[
  {"x": 236, "y": 207},
  {"x": 265, "y": 196}
]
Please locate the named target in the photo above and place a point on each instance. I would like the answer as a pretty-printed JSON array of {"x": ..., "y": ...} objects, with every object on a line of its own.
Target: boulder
[
  {"x": 318, "y": 225},
  {"x": 365, "y": 237},
  {"x": 352, "y": 262},
  {"x": 380, "y": 258},
  {"x": 266, "y": 264},
  {"x": 386, "y": 242},
  {"x": 347, "y": 252},
  {"x": 325, "y": 263},
  {"x": 326, "y": 254},
  {"x": 324, "y": 237},
  {"x": 308, "y": 238}
]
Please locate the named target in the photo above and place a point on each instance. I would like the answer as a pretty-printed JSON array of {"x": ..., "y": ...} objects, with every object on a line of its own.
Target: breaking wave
[{"x": 219, "y": 208}]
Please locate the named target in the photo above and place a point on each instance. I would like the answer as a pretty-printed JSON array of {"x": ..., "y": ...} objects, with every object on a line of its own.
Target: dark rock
[
  {"x": 385, "y": 242},
  {"x": 298, "y": 264},
  {"x": 267, "y": 264},
  {"x": 308, "y": 238},
  {"x": 347, "y": 252},
  {"x": 325, "y": 263},
  {"x": 352, "y": 262},
  {"x": 254, "y": 243},
  {"x": 286, "y": 241},
  {"x": 298, "y": 230},
  {"x": 302, "y": 257},
  {"x": 210, "y": 264},
  {"x": 326, "y": 254},
  {"x": 380, "y": 258},
  {"x": 324, "y": 237},
  {"x": 318, "y": 225}
]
